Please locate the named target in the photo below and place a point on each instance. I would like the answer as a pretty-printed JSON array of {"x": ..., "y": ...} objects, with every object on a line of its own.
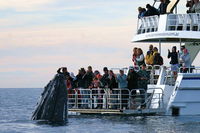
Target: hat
[{"x": 131, "y": 67}]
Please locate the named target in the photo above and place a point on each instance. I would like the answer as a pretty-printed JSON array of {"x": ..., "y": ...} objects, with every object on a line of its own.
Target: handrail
[
  {"x": 175, "y": 22},
  {"x": 117, "y": 98},
  {"x": 191, "y": 69}
]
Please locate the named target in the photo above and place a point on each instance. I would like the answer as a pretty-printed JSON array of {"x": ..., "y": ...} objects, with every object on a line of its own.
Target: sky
[{"x": 39, "y": 36}]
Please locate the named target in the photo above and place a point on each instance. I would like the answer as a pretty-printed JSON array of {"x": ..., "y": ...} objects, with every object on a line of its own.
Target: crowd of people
[
  {"x": 153, "y": 57},
  {"x": 193, "y": 5},
  {"x": 133, "y": 80},
  {"x": 150, "y": 10},
  {"x": 90, "y": 79}
]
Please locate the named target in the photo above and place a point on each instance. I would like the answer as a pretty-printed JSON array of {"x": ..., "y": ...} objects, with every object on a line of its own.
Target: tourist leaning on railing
[
  {"x": 81, "y": 79},
  {"x": 122, "y": 84},
  {"x": 132, "y": 79},
  {"x": 90, "y": 76},
  {"x": 151, "y": 10},
  {"x": 144, "y": 77},
  {"x": 141, "y": 12},
  {"x": 121, "y": 79}
]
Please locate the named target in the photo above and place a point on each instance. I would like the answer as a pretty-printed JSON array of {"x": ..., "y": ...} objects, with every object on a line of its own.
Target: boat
[
  {"x": 165, "y": 94},
  {"x": 180, "y": 97}
]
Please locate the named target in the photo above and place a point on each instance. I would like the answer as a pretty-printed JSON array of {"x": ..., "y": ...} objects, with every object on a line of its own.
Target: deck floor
[{"x": 119, "y": 112}]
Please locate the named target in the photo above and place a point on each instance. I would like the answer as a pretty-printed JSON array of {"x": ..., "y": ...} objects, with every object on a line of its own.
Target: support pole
[{"x": 160, "y": 47}]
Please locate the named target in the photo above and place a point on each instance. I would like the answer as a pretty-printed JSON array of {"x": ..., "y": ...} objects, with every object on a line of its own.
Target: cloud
[
  {"x": 76, "y": 33},
  {"x": 24, "y": 5}
]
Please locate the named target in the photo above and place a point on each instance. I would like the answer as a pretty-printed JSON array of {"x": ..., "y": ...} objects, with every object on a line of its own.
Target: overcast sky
[{"x": 38, "y": 36}]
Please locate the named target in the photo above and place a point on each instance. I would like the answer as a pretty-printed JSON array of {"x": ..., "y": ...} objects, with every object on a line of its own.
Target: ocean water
[{"x": 17, "y": 105}]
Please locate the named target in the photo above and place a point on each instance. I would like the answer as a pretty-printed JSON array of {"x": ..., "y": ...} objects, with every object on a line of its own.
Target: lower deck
[
  {"x": 136, "y": 112},
  {"x": 116, "y": 102}
]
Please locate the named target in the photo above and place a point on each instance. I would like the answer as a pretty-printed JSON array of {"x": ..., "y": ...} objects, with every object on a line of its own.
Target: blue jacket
[{"x": 122, "y": 81}]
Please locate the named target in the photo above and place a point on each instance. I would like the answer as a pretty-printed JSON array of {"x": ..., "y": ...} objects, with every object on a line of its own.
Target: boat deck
[{"x": 136, "y": 112}]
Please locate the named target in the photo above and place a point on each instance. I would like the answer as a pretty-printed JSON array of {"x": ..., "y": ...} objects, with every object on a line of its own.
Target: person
[
  {"x": 69, "y": 79},
  {"x": 105, "y": 82},
  {"x": 63, "y": 70},
  {"x": 141, "y": 11},
  {"x": 144, "y": 77},
  {"x": 112, "y": 98},
  {"x": 162, "y": 7},
  {"x": 185, "y": 60},
  {"x": 134, "y": 56},
  {"x": 140, "y": 57},
  {"x": 151, "y": 10},
  {"x": 105, "y": 78},
  {"x": 113, "y": 82},
  {"x": 149, "y": 56},
  {"x": 97, "y": 92},
  {"x": 132, "y": 79},
  {"x": 174, "y": 60},
  {"x": 90, "y": 76},
  {"x": 81, "y": 84},
  {"x": 157, "y": 59},
  {"x": 122, "y": 79},
  {"x": 190, "y": 4},
  {"x": 196, "y": 7},
  {"x": 122, "y": 83},
  {"x": 81, "y": 78}
]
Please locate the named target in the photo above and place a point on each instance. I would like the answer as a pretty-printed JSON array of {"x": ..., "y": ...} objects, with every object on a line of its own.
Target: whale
[{"x": 52, "y": 106}]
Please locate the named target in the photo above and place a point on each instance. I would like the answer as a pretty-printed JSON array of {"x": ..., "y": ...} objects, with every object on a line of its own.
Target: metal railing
[
  {"x": 147, "y": 24},
  {"x": 175, "y": 22},
  {"x": 191, "y": 69},
  {"x": 183, "y": 22},
  {"x": 154, "y": 73},
  {"x": 118, "y": 98}
]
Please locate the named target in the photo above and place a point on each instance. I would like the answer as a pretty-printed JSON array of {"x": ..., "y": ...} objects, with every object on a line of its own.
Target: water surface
[{"x": 17, "y": 105}]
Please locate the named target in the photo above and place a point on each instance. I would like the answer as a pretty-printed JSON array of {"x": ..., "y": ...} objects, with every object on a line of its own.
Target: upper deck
[{"x": 168, "y": 28}]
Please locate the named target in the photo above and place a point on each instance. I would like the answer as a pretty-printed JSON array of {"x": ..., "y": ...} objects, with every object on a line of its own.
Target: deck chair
[{"x": 171, "y": 6}]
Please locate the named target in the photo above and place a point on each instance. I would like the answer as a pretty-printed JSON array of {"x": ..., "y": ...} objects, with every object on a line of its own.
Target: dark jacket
[
  {"x": 89, "y": 78},
  {"x": 132, "y": 79},
  {"x": 151, "y": 11},
  {"x": 158, "y": 60},
  {"x": 174, "y": 57},
  {"x": 105, "y": 80},
  {"x": 113, "y": 83},
  {"x": 162, "y": 8},
  {"x": 66, "y": 74},
  {"x": 81, "y": 81}
]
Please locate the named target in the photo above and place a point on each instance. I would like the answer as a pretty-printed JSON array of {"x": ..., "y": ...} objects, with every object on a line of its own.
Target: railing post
[
  {"x": 76, "y": 99},
  {"x": 120, "y": 99}
]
